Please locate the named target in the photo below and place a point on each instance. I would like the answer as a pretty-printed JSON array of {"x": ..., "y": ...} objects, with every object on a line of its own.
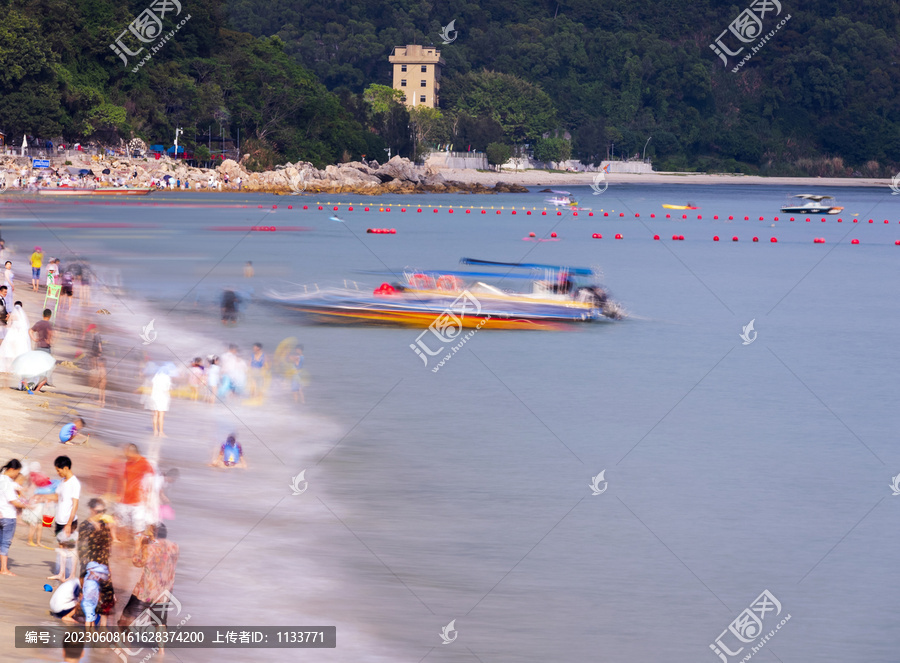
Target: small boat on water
[
  {"x": 557, "y": 297},
  {"x": 815, "y": 204},
  {"x": 565, "y": 200},
  {"x": 679, "y": 207},
  {"x": 100, "y": 191}
]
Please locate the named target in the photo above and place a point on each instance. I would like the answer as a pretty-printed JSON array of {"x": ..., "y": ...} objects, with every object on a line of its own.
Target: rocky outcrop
[{"x": 398, "y": 175}]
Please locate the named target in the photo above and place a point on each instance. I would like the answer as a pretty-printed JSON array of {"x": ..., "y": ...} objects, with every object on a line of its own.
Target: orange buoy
[{"x": 854, "y": 241}]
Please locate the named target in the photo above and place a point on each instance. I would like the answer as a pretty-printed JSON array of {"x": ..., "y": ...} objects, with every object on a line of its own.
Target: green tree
[
  {"x": 523, "y": 110},
  {"x": 428, "y": 126},
  {"x": 552, "y": 150},
  {"x": 498, "y": 154}
]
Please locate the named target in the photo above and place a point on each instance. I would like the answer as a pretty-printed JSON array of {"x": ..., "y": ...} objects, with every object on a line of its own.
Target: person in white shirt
[
  {"x": 67, "y": 496},
  {"x": 9, "y": 502}
]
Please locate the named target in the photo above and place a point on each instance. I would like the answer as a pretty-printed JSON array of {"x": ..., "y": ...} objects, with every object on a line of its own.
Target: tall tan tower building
[{"x": 417, "y": 74}]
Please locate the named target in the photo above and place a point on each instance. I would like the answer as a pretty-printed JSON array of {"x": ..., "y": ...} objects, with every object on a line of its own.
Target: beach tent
[
  {"x": 171, "y": 150},
  {"x": 157, "y": 148}
]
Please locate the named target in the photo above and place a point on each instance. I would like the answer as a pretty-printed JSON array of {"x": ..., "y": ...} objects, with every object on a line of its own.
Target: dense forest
[{"x": 303, "y": 79}]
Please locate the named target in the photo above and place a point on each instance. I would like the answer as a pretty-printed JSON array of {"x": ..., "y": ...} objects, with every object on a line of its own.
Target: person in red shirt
[{"x": 132, "y": 500}]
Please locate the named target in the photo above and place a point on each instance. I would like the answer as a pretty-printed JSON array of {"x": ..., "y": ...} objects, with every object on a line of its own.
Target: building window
[
  {"x": 424, "y": 83},
  {"x": 402, "y": 82},
  {"x": 402, "y": 67},
  {"x": 424, "y": 68},
  {"x": 403, "y": 98},
  {"x": 422, "y": 99}
]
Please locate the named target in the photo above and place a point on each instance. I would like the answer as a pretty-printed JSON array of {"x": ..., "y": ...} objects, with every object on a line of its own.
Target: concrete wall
[
  {"x": 449, "y": 160},
  {"x": 613, "y": 166}
]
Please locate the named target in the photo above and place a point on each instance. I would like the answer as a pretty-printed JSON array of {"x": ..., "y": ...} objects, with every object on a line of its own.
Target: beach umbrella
[
  {"x": 33, "y": 363},
  {"x": 24, "y": 145}
]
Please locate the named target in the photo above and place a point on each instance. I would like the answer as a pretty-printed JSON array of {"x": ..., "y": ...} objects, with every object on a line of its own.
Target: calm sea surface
[{"x": 465, "y": 495}]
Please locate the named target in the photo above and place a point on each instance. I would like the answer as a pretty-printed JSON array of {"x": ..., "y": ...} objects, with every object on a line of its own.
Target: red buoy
[
  {"x": 855, "y": 220},
  {"x": 483, "y": 212},
  {"x": 699, "y": 217},
  {"x": 543, "y": 213},
  {"x": 402, "y": 209},
  {"x": 599, "y": 236},
  {"x": 746, "y": 218},
  {"x": 870, "y": 221},
  {"x": 792, "y": 218},
  {"x": 734, "y": 239},
  {"x": 292, "y": 207},
  {"x": 366, "y": 210},
  {"x": 684, "y": 216},
  {"x": 760, "y": 218},
  {"x": 304, "y": 207},
  {"x": 716, "y": 217},
  {"x": 531, "y": 234},
  {"x": 854, "y": 241},
  {"x": 528, "y": 213},
  {"x": 335, "y": 209},
  {"x": 776, "y": 218},
  {"x": 756, "y": 239},
  {"x": 320, "y": 207},
  {"x": 636, "y": 215},
  {"x": 653, "y": 216},
  {"x": 589, "y": 213},
  {"x": 557, "y": 214},
  {"x": 573, "y": 213},
  {"x": 468, "y": 210},
  {"x": 618, "y": 235},
  {"x": 450, "y": 210},
  {"x": 435, "y": 211},
  {"x": 656, "y": 237},
  {"x": 675, "y": 237},
  {"x": 605, "y": 213},
  {"x": 897, "y": 243},
  {"x": 514, "y": 211},
  {"x": 621, "y": 213},
  {"x": 552, "y": 234},
  {"x": 731, "y": 218},
  {"x": 774, "y": 240},
  {"x": 716, "y": 238}
]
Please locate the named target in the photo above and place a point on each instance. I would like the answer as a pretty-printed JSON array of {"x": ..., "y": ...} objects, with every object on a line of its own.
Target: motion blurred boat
[
  {"x": 680, "y": 207},
  {"x": 557, "y": 296},
  {"x": 814, "y": 204},
  {"x": 100, "y": 191},
  {"x": 566, "y": 200}
]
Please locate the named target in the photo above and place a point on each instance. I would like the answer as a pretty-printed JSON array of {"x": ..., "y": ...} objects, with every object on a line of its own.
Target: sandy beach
[{"x": 544, "y": 178}]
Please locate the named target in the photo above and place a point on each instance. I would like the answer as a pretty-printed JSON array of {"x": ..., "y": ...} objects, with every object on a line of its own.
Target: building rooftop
[{"x": 415, "y": 53}]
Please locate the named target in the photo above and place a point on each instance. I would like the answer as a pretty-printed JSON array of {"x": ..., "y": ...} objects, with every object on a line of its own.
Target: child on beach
[
  {"x": 8, "y": 276},
  {"x": 69, "y": 434},
  {"x": 197, "y": 377},
  {"x": 296, "y": 364},
  {"x": 37, "y": 483},
  {"x": 230, "y": 455},
  {"x": 37, "y": 260},
  {"x": 212, "y": 378}
]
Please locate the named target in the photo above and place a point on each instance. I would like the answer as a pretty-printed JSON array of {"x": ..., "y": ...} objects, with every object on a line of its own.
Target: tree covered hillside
[{"x": 822, "y": 91}]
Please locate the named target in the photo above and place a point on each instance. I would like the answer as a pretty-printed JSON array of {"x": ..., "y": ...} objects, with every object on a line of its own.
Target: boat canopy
[
  {"x": 576, "y": 271},
  {"x": 809, "y": 196}
]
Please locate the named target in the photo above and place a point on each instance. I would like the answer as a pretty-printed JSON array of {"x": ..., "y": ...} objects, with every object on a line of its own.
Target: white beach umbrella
[
  {"x": 24, "y": 144},
  {"x": 33, "y": 363}
]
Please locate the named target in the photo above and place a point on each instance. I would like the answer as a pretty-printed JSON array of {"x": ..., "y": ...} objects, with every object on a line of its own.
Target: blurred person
[
  {"x": 67, "y": 497},
  {"x": 93, "y": 581},
  {"x": 52, "y": 272},
  {"x": 230, "y": 455},
  {"x": 4, "y": 311},
  {"x": 158, "y": 557},
  {"x": 37, "y": 261},
  {"x": 95, "y": 539},
  {"x": 42, "y": 335},
  {"x": 67, "y": 281},
  {"x": 229, "y": 307},
  {"x": 84, "y": 286},
  {"x": 73, "y": 651},
  {"x": 234, "y": 373},
  {"x": 8, "y": 277},
  {"x": 17, "y": 340},
  {"x": 213, "y": 376},
  {"x": 133, "y": 496},
  {"x": 259, "y": 366},
  {"x": 197, "y": 377},
  {"x": 159, "y": 399},
  {"x": 296, "y": 364},
  {"x": 64, "y": 601},
  {"x": 9, "y": 503},
  {"x": 33, "y": 514},
  {"x": 248, "y": 270},
  {"x": 69, "y": 434}
]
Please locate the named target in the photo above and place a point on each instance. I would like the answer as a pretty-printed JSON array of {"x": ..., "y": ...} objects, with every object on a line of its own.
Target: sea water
[{"x": 734, "y": 462}]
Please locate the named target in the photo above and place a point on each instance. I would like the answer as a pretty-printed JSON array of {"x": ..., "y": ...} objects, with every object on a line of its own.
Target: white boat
[{"x": 815, "y": 204}]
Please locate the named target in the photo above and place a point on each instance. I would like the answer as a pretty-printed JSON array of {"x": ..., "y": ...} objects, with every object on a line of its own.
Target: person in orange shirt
[{"x": 132, "y": 499}]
